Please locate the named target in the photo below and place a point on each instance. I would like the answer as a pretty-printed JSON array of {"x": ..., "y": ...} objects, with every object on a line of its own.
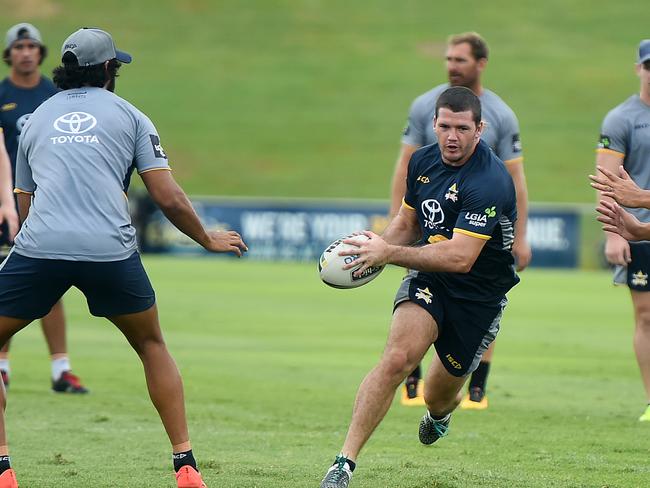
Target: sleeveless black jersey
[
  {"x": 16, "y": 106},
  {"x": 477, "y": 199}
]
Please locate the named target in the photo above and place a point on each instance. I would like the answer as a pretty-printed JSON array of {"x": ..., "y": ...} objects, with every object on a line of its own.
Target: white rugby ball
[{"x": 330, "y": 265}]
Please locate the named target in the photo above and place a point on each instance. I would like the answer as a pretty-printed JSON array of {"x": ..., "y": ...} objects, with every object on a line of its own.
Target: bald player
[
  {"x": 625, "y": 141},
  {"x": 467, "y": 57}
]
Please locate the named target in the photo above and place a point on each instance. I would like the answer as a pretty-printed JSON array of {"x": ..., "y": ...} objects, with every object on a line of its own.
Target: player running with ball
[{"x": 460, "y": 206}]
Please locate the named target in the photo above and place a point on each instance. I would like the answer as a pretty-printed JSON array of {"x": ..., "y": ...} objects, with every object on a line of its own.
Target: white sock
[
  {"x": 60, "y": 365},
  {"x": 4, "y": 365}
]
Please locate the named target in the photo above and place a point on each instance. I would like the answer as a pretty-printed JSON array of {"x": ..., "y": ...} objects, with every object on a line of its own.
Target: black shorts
[
  {"x": 30, "y": 287},
  {"x": 465, "y": 328},
  {"x": 635, "y": 274}
]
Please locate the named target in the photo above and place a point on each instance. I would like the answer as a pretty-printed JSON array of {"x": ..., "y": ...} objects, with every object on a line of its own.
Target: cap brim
[{"x": 123, "y": 57}]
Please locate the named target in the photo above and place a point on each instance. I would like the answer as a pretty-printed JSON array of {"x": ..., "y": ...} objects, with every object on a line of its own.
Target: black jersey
[
  {"x": 477, "y": 199},
  {"x": 16, "y": 106}
]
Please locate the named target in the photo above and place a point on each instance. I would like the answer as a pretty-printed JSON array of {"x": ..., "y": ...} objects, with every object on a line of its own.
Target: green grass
[
  {"x": 308, "y": 97},
  {"x": 271, "y": 360}
]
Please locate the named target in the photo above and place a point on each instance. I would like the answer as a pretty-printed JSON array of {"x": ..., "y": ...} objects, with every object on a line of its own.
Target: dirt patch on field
[{"x": 30, "y": 9}]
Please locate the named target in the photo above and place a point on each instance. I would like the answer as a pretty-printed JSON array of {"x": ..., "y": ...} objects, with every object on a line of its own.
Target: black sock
[
  {"x": 479, "y": 376},
  {"x": 351, "y": 464},
  {"x": 415, "y": 376},
  {"x": 5, "y": 463},
  {"x": 437, "y": 417},
  {"x": 183, "y": 459}
]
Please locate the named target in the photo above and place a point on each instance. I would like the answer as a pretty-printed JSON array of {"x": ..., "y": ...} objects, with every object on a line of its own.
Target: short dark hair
[
  {"x": 477, "y": 44},
  {"x": 460, "y": 99},
  {"x": 70, "y": 75}
]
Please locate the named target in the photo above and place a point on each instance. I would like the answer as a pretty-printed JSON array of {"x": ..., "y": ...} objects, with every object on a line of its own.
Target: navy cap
[
  {"x": 93, "y": 46},
  {"x": 644, "y": 51}
]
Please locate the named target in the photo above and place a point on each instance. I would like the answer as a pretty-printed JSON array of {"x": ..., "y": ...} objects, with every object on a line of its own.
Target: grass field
[
  {"x": 272, "y": 358},
  {"x": 309, "y": 97}
]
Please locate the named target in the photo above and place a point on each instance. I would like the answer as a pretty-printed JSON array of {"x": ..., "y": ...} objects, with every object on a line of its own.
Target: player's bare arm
[
  {"x": 173, "y": 202},
  {"x": 456, "y": 255},
  {"x": 621, "y": 188},
  {"x": 7, "y": 208},
  {"x": 398, "y": 188},
  {"x": 617, "y": 220},
  {"x": 520, "y": 248},
  {"x": 24, "y": 202},
  {"x": 617, "y": 249},
  {"x": 403, "y": 230}
]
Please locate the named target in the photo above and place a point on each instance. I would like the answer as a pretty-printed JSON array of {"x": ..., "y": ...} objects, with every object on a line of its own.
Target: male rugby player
[
  {"x": 20, "y": 94},
  {"x": 75, "y": 160},
  {"x": 460, "y": 207},
  {"x": 625, "y": 141},
  {"x": 467, "y": 57}
]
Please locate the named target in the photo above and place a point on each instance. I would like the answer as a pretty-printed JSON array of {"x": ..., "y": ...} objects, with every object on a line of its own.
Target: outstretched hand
[
  {"x": 621, "y": 189},
  {"x": 621, "y": 222},
  {"x": 225, "y": 241}
]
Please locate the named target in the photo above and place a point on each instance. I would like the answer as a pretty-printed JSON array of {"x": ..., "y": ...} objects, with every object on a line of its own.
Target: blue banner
[{"x": 299, "y": 230}]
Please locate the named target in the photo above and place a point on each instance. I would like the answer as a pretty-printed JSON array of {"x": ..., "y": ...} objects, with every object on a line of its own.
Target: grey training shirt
[
  {"x": 626, "y": 131},
  {"x": 76, "y": 155},
  {"x": 501, "y": 131}
]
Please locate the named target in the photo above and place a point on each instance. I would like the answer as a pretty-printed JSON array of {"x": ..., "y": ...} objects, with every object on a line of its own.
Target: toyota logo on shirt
[
  {"x": 433, "y": 213},
  {"x": 75, "y": 123}
]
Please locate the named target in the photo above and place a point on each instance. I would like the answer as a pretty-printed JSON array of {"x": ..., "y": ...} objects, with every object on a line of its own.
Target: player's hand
[
  {"x": 522, "y": 253},
  {"x": 371, "y": 253},
  {"x": 225, "y": 241},
  {"x": 621, "y": 188},
  {"x": 9, "y": 215},
  {"x": 624, "y": 226}
]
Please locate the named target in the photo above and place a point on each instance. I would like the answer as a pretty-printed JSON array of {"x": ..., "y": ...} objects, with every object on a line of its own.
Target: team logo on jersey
[
  {"x": 433, "y": 213},
  {"x": 452, "y": 193},
  {"x": 423, "y": 179},
  {"x": 516, "y": 143},
  {"x": 424, "y": 295},
  {"x": 640, "y": 279},
  {"x": 604, "y": 142},
  {"x": 8, "y": 106},
  {"x": 75, "y": 123},
  {"x": 157, "y": 148}
]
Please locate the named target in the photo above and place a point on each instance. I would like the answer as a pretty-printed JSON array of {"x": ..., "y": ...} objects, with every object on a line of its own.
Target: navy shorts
[
  {"x": 635, "y": 274},
  {"x": 465, "y": 328},
  {"x": 30, "y": 287}
]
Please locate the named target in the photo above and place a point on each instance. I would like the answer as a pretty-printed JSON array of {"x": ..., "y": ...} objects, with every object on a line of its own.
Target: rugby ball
[{"x": 330, "y": 265}]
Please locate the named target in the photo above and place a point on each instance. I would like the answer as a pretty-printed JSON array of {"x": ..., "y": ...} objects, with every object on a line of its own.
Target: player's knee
[
  {"x": 397, "y": 363},
  {"x": 149, "y": 346},
  {"x": 643, "y": 319}
]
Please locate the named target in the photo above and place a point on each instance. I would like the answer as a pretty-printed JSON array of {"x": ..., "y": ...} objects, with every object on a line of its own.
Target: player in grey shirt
[
  {"x": 467, "y": 56},
  {"x": 75, "y": 160},
  {"x": 625, "y": 141}
]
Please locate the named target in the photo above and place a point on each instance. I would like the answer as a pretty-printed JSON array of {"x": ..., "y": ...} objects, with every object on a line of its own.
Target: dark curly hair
[{"x": 70, "y": 75}]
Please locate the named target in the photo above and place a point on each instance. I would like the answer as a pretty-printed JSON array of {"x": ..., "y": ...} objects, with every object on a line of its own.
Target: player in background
[
  {"x": 467, "y": 57},
  {"x": 625, "y": 141},
  {"x": 20, "y": 94},
  {"x": 460, "y": 207},
  {"x": 75, "y": 159}
]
